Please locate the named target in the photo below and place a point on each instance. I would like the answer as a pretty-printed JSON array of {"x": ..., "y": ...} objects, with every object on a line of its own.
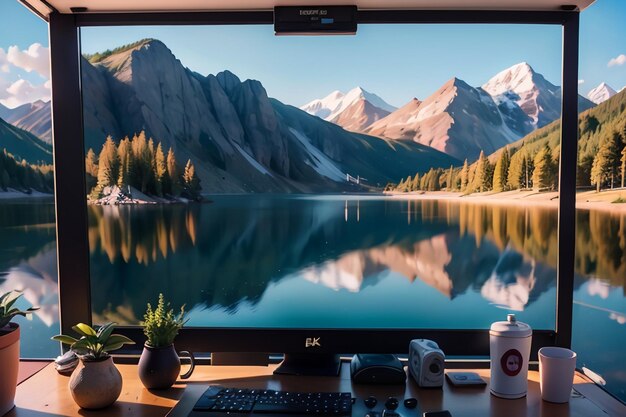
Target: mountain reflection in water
[{"x": 230, "y": 253}]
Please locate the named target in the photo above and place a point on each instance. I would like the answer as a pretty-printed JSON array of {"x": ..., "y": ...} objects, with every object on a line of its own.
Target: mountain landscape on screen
[
  {"x": 601, "y": 93},
  {"x": 238, "y": 138}
]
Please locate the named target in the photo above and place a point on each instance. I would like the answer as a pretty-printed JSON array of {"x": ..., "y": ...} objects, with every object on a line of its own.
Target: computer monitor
[{"x": 317, "y": 195}]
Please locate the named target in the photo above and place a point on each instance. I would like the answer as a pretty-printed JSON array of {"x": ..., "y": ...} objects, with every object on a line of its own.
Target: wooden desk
[{"x": 46, "y": 394}]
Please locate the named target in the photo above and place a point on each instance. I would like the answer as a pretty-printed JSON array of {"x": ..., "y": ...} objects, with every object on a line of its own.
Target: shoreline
[
  {"x": 585, "y": 200},
  {"x": 12, "y": 195}
]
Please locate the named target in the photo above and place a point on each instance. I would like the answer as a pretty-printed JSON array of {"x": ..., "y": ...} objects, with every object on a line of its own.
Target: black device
[
  {"x": 221, "y": 401},
  {"x": 392, "y": 403},
  {"x": 370, "y": 402},
  {"x": 315, "y": 20},
  {"x": 410, "y": 403},
  {"x": 377, "y": 369},
  {"x": 459, "y": 379}
]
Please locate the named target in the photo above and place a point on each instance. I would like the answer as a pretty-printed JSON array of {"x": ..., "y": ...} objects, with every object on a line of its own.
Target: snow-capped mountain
[
  {"x": 355, "y": 110},
  {"x": 536, "y": 96},
  {"x": 457, "y": 119},
  {"x": 462, "y": 120},
  {"x": 601, "y": 93}
]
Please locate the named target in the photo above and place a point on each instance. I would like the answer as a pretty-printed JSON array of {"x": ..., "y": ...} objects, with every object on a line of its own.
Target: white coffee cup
[{"x": 556, "y": 373}]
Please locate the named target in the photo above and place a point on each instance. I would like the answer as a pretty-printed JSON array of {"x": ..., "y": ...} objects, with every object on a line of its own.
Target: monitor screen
[{"x": 401, "y": 178}]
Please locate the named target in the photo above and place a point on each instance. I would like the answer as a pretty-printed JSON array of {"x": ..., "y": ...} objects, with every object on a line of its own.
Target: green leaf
[
  {"x": 115, "y": 342},
  {"x": 105, "y": 331},
  {"x": 117, "y": 338},
  {"x": 92, "y": 340},
  {"x": 68, "y": 340},
  {"x": 10, "y": 302},
  {"x": 5, "y": 295},
  {"x": 82, "y": 345},
  {"x": 112, "y": 346},
  {"x": 84, "y": 330}
]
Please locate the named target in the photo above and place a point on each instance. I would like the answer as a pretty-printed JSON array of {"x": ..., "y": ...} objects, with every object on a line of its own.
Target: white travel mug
[
  {"x": 556, "y": 373},
  {"x": 509, "y": 348}
]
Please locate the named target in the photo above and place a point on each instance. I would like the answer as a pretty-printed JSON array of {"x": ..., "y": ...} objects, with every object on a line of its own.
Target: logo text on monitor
[{"x": 312, "y": 342}]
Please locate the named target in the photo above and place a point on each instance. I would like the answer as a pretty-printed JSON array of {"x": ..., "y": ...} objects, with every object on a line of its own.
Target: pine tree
[
  {"x": 143, "y": 162},
  {"x": 464, "y": 176},
  {"x": 191, "y": 181},
  {"x": 406, "y": 185},
  {"x": 160, "y": 171},
  {"x": 517, "y": 170},
  {"x": 623, "y": 160},
  {"x": 125, "y": 155},
  {"x": 583, "y": 171},
  {"x": 450, "y": 179},
  {"x": 91, "y": 163},
  {"x": 108, "y": 167},
  {"x": 481, "y": 181},
  {"x": 91, "y": 169},
  {"x": 501, "y": 170},
  {"x": 415, "y": 184},
  {"x": 424, "y": 182},
  {"x": 544, "y": 174},
  {"x": 607, "y": 161},
  {"x": 173, "y": 172}
]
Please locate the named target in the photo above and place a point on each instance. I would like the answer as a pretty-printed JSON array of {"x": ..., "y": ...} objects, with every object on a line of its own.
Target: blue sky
[{"x": 397, "y": 62}]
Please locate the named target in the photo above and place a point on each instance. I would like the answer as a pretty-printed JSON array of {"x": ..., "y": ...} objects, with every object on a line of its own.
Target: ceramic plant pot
[
  {"x": 159, "y": 367},
  {"x": 96, "y": 384},
  {"x": 9, "y": 364}
]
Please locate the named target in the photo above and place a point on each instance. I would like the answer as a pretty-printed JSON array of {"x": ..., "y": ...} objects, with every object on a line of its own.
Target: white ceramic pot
[
  {"x": 9, "y": 365},
  {"x": 96, "y": 384},
  {"x": 509, "y": 347}
]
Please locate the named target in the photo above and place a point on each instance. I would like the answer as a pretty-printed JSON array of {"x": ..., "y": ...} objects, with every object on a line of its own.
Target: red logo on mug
[{"x": 511, "y": 362}]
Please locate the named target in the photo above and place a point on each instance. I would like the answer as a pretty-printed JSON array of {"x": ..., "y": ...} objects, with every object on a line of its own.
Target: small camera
[{"x": 426, "y": 363}]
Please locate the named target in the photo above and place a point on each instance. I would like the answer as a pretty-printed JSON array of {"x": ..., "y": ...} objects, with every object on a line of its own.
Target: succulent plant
[
  {"x": 94, "y": 345},
  {"x": 8, "y": 312},
  {"x": 161, "y": 325}
]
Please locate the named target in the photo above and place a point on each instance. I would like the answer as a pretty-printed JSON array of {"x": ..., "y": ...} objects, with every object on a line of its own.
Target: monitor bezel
[{"x": 71, "y": 204}]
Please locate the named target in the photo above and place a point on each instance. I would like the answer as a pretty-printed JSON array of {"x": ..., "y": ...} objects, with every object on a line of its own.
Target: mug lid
[{"x": 510, "y": 328}]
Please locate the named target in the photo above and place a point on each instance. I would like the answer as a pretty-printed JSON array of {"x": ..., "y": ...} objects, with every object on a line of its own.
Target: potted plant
[
  {"x": 9, "y": 348},
  {"x": 159, "y": 364},
  {"x": 96, "y": 382}
]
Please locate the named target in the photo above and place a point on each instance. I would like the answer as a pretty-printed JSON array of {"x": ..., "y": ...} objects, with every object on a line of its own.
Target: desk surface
[{"x": 46, "y": 394}]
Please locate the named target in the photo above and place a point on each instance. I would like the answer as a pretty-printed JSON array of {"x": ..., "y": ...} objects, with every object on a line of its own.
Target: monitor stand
[{"x": 317, "y": 364}]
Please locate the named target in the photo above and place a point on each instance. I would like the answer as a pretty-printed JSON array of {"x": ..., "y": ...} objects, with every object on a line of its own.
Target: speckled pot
[
  {"x": 96, "y": 384},
  {"x": 9, "y": 364}
]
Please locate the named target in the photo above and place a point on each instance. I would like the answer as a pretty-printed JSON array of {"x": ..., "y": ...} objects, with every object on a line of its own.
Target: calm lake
[{"x": 271, "y": 261}]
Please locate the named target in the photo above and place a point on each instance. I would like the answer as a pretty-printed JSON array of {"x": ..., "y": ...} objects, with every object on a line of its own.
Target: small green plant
[
  {"x": 161, "y": 325},
  {"x": 8, "y": 312},
  {"x": 94, "y": 345}
]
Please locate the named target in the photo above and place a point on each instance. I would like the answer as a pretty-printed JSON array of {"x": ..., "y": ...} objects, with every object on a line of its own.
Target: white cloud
[
  {"x": 35, "y": 58},
  {"x": 581, "y": 82},
  {"x": 618, "y": 60},
  {"x": 22, "y": 91},
  {"x": 4, "y": 62}
]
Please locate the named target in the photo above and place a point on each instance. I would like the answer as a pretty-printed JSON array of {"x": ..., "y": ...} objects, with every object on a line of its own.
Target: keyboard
[{"x": 219, "y": 400}]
